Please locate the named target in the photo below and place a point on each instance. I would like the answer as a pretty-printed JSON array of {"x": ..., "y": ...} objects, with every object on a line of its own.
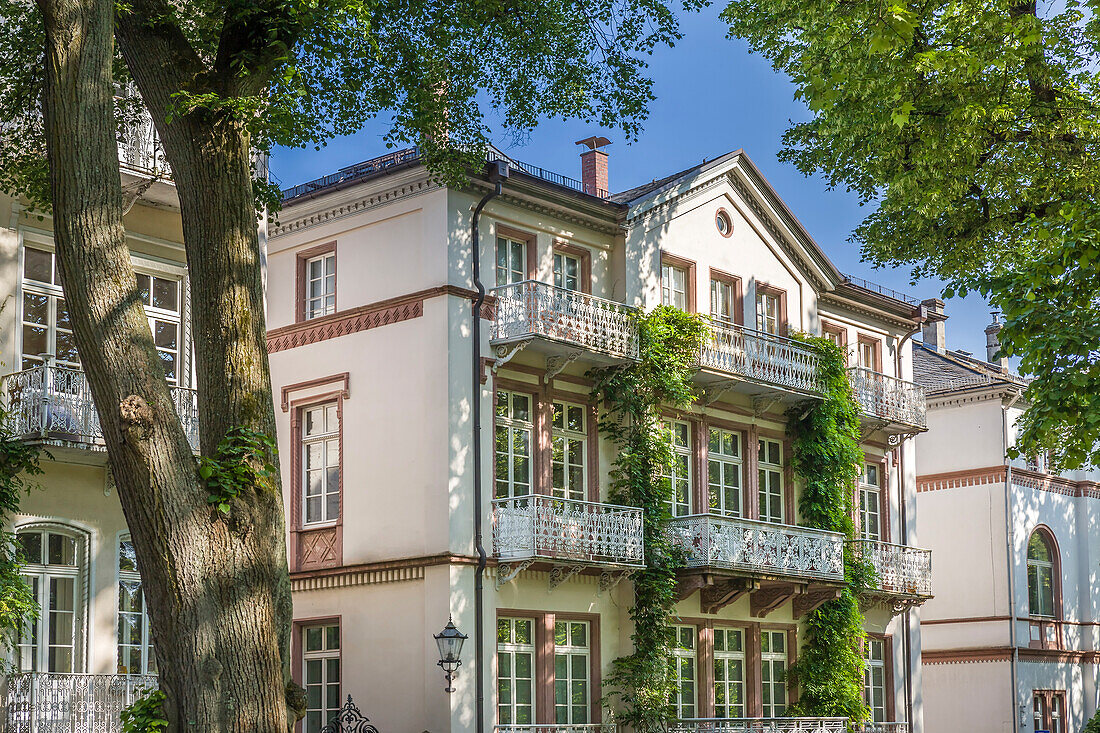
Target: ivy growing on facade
[
  {"x": 669, "y": 344},
  {"x": 827, "y": 459}
]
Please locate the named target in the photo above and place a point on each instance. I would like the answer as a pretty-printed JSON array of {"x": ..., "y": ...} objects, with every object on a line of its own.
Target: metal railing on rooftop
[{"x": 882, "y": 290}]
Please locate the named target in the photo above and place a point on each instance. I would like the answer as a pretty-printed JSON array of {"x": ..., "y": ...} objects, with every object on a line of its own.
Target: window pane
[
  {"x": 37, "y": 265},
  {"x": 165, "y": 294}
]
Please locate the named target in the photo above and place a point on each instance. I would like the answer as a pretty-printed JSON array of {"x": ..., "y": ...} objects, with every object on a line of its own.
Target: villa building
[
  {"x": 1011, "y": 639},
  {"x": 372, "y": 323}
]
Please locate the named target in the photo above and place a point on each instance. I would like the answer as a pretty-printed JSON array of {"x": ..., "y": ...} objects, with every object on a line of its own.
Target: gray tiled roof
[
  {"x": 950, "y": 370},
  {"x": 632, "y": 194}
]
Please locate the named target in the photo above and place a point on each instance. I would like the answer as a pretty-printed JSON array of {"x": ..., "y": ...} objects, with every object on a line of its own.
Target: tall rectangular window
[
  {"x": 567, "y": 271},
  {"x": 568, "y": 445},
  {"x": 511, "y": 261},
  {"x": 514, "y": 429},
  {"x": 515, "y": 671},
  {"x": 773, "y": 672},
  {"x": 135, "y": 643},
  {"x": 874, "y": 678},
  {"x": 54, "y": 571},
  {"x": 571, "y": 672},
  {"x": 321, "y": 464},
  {"x": 729, "y": 673},
  {"x": 683, "y": 673},
  {"x": 679, "y": 477},
  {"x": 721, "y": 301},
  {"x": 868, "y": 354},
  {"x": 674, "y": 286},
  {"x": 161, "y": 297},
  {"x": 770, "y": 478},
  {"x": 724, "y": 472},
  {"x": 321, "y": 285},
  {"x": 46, "y": 329},
  {"x": 870, "y": 497},
  {"x": 321, "y": 675},
  {"x": 767, "y": 312}
]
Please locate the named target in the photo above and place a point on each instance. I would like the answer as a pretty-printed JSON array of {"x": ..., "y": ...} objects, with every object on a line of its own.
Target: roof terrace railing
[{"x": 881, "y": 290}]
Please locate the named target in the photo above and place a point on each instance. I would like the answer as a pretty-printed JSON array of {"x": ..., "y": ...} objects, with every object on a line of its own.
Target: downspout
[
  {"x": 907, "y": 618},
  {"x": 1010, "y": 543},
  {"x": 498, "y": 172}
]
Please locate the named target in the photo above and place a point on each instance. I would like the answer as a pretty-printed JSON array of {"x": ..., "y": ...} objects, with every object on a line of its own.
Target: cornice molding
[
  {"x": 335, "y": 212},
  {"x": 389, "y": 571},
  {"x": 1021, "y": 477}
]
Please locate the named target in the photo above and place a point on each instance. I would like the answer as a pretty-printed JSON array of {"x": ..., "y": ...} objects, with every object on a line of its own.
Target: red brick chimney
[{"x": 594, "y": 166}]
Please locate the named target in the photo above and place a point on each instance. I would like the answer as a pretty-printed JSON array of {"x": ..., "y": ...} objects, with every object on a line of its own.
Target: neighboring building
[
  {"x": 1011, "y": 639},
  {"x": 370, "y": 311}
]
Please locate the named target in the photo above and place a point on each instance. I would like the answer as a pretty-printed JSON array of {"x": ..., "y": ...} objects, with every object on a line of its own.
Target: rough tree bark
[{"x": 218, "y": 590}]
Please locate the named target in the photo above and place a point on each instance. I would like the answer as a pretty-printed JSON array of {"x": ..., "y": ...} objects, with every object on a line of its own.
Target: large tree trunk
[{"x": 217, "y": 589}]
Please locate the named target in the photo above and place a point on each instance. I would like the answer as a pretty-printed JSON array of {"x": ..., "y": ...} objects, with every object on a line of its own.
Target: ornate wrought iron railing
[
  {"x": 711, "y": 540},
  {"x": 760, "y": 356},
  {"x": 38, "y": 702},
  {"x": 547, "y": 528},
  {"x": 558, "y": 728},
  {"x": 139, "y": 146},
  {"x": 880, "y": 728},
  {"x": 531, "y": 309},
  {"x": 899, "y": 569},
  {"x": 759, "y": 725},
  {"x": 54, "y": 402},
  {"x": 888, "y": 398}
]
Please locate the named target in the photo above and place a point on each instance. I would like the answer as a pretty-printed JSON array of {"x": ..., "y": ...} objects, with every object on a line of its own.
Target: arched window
[
  {"x": 1042, "y": 569},
  {"x": 54, "y": 571}
]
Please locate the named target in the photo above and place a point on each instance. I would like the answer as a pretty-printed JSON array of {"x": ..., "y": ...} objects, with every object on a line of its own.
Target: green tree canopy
[{"x": 972, "y": 125}]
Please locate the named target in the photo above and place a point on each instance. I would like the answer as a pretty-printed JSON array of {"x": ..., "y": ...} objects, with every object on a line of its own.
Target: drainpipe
[
  {"x": 1010, "y": 542},
  {"x": 498, "y": 173},
  {"x": 906, "y": 617}
]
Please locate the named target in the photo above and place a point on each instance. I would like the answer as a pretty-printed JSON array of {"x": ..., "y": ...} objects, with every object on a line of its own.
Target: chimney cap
[{"x": 595, "y": 142}]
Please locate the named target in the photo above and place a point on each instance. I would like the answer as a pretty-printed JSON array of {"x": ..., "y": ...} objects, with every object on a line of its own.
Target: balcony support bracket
[
  {"x": 556, "y": 364},
  {"x": 685, "y": 586},
  {"x": 813, "y": 598},
  {"x": 868, "y": 427},
  {"x": 770, "y": 597},
  {"x": 609, "y": 579},
  {"x": 713, "y": 598},
  {"x": 507, "y": 572},
  {"x": 714, "y": 393},
  {"x": 762, "y": 405},
  {"x": 561, "y": 573},
  {"x": 505, "y": 352},
  {"x": 899, "y": 438}
]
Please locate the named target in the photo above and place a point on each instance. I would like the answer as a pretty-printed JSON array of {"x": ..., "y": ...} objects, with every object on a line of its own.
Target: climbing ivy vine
[
  {"x": 827, "y": 460},
  {"x": 245, "y": 460},
  {"x": 669, "y": 343}
]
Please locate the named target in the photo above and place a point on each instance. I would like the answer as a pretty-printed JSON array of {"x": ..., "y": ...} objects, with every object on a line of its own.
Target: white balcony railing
[
  {"x": 535, "y": 309},
  {"x": 558, "y": 728},
  {"x": 539, "y": 527},
  {"x": 899, "y": 569},
  {"x": 759, "y": 725},
  {"x": 69, "y": 703},
  {"x": 55, "y": 403},
  {"x": 880, "y": 728},
  {"x": 888, "y": 398},
  {"x": 139, "y": 146},
  {"x": 711, "y": 540},
  {"x": 759, "y": 356}
]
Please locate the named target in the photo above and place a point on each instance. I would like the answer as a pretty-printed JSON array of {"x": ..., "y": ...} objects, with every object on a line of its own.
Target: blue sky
[{"x": 712, "y": 97}]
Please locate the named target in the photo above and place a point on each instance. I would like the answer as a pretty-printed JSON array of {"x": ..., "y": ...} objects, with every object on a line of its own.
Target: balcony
[
  {"x": 764, "y": 361},
  {"x": 565, "y": 533},
  {"x": 760, "y": 548},
  {"x": 900, "y": 571},
  {"x": 759, "y": 725},
  {"x": 558, "y": 728},
  {"x": 897, "y": 403},
  {"x": 54, "y": 404},
  {"x": 880, "y": 728},
  {"x": 43, "y": 703},
  {"x": 562, "y": 322},
  {"x": 139, "y": 148}
]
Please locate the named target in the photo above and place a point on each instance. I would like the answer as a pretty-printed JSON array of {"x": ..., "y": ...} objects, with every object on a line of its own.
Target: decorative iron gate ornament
[{"x": 350, "y": 720}]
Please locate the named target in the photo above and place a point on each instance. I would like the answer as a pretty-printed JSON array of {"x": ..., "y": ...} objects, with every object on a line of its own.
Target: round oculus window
[{"x": 722, "y": 221}]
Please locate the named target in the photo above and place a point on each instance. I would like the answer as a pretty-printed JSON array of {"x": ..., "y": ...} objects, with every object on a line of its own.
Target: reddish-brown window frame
[
  {"x": 517, "y": 235},
  {"x": 876, "y": 343},
  {"x": 296, "y": 671},
  {"x": 729, "y": 220},
  {"x": 297, "y": 527},
  {"x": 544, "y": 660},
  {"x": 1048, "y": 697},
  {"x": 883, "y": 498},
  {"x": 755, "y": 434},
  {"x": 780, "y": 294},
  {"x": 702, "y": 467},
  {"x": 738, "y": 294},
  {"x": 584, "y": 255},
  {"x": 301, "y": 281},
  {"x": 841, "y": 334},
  {"x": 689, "y": 267},
  {"x": 1042, "y": 623},
  {"x": 888, "y": 664}
]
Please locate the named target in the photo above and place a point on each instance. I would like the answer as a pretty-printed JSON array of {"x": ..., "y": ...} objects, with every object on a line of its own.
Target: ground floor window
[
  {"x": 683, "y": 672},
  {"x": 874, "y": 678},
  {"x": 1048, "y": 709},
  {"x": 515, "y": 671},
  {"x": 729, "y": 673},
  {"x": 773, "y": 673},
  {"x": 320, "y": 674}
]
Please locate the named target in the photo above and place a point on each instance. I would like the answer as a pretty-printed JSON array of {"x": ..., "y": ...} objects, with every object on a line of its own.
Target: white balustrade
[
  {"x": 70, "y": 703},
  {"x": 888, "y": 398},
  {"x": 880, "y": 728},
  {"x": 711, "y": 540},
  {"x": 558, "y": 728},
  {"x": 139, "y": 146},
  {"x": 562, "y": 530},
  {"x": 898, "y": 568},
  {"x": 759, "y": 356},
  {"x": 759, "y": 725},
  {"x": 55, "y": 403},
  {"x": 534, "y": 309}
]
